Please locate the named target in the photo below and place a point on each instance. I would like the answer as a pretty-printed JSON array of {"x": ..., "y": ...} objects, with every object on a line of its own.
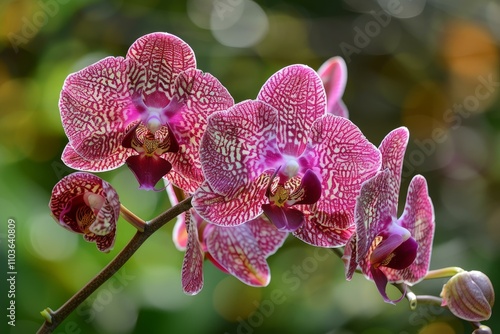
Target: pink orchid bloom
[
  {"x": 388, "y": 249},
  {"x": 240, "y": 250},
  {"x": 284, "y": 156},
  {"x": 85, "y": 204},
  {"x": 333, "y": 73},
  {"x": 147, "y": 110}
]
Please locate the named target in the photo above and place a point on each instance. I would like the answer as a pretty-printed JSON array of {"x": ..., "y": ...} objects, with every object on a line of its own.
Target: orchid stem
[
  {"x": 55, "y": 318},
  {"x": 130, "y": 217},
  {"x": 443, "y": 272}
]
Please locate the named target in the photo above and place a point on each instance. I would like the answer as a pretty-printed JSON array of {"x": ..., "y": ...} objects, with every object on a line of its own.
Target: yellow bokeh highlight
[
  {"x": 13, "y": 15},
  {"x": 468, "y": 49},
  {"x": 437, "y": 328}
]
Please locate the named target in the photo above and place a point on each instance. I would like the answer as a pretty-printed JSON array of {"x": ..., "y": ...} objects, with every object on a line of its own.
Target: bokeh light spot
[{"x": 249, "y": 28}]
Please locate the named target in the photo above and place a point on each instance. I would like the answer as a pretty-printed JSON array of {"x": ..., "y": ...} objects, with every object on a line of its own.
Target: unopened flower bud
[
  {"x": 469, "y": 295},
  {"x": 482, "y": 330}
]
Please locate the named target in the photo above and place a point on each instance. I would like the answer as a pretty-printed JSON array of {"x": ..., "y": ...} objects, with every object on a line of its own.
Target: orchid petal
[
  {"x": 162, "y": 56},
  {"x": 181, "y": 181},
  {"x": 319, "y": 235},
  {"x": 373, "y": 212},
  {"x": 74, "y": 160},
  {"x": 236, "y": 249},
  {"x": 238, "y": 145},
  {"x": 339, "y": 109},
  {"x": 268, "y": 237},
  {"x": 285, "y": 219},
  {"x": 345, "y": 159},
  {"x": 148, "y": 169},
  {"x": 197, "y": 96},
  {"x": 349, "y": 257},
  {"x": 298, "y": 95},
  {"x": 192, "y": 266},
  {"x": 223, "y": 211},
  {"x": 333, "y": 73},
  {"x": 381, "y": 283},
  {"x": 418, "y": 218},
  {"x": 309, "y": 191},
  {"x": 179, "y": 233},
  {"x": 393, "y": 149},
  {"x": 96, "y": 107},
  {"x": 104, "y": 243}
]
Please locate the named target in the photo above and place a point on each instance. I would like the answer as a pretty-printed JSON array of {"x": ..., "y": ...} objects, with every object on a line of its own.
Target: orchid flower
[
  {"x": 284, "y": 156},
  {"x": 147, "y": 110},
  {"x": 388, "y": 249},
  {"x": 333, "y": 73},
  {"x": 85, "y": 204},
  {"x": 240, "y": 250}
]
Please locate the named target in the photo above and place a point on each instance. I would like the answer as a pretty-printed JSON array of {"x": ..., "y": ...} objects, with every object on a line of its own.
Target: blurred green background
[{"x": 432, "y": 66}]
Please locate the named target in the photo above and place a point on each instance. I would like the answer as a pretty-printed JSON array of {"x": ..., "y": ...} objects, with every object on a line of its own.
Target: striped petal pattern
[
  {"x": 388, "y": 249},
  {"x": 297, "y": 93},
  {"x": 158, "y": 86},
  {"x": 85, "y": 204}
]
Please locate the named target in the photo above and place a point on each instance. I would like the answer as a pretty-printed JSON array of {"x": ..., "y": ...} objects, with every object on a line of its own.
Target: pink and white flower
[
  {"x": 238, "y": 250},
  {"x": 147, "y": 110},
  {"x": 284, "y": 156},
  {"x": 386, "y": 248}
]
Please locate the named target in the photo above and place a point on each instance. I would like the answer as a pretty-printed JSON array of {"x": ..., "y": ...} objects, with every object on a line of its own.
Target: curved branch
[{"x": 54, "y": 318}]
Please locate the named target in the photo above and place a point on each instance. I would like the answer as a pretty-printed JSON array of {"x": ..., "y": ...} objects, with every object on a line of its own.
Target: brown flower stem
[
  {"x": 55, "y": 318},
  {"x": 130, "y": 217}
]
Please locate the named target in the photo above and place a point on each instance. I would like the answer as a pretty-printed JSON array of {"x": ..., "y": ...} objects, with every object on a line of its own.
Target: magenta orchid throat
[{"x": 241, "y": 177}]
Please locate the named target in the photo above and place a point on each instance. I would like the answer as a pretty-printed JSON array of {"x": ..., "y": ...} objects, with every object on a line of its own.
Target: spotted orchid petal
[
  {"x": 374, "y": 211},
  {"x": 224, "y": 211},
  {"x": 238, "y": 145},
  {"x": 268, "y": 237},
  {"x": 238, "y": 251},
  {"x": 95, "y": 106},
  {"x": 393, "y": 148},
  {"x": 345, "y": 159},
  {"x": 74, "y": 160},
  {"x": 85, "y": 204},
  {"x": 197, "y": 95},
  {"x": 192, "y": 266},
  {"x": 162, "y": 57},
  {"x": 333, "y": 73},
  {"x": 418, "y": 219},
  {"x": 297, "y": 93},
  {"x": 319, "y": 235}
]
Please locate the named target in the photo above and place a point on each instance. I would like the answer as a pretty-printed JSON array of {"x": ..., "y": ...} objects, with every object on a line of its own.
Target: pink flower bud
[
  {"x": 85, "y": 204},
  {"x": 469, "y": 295}
]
